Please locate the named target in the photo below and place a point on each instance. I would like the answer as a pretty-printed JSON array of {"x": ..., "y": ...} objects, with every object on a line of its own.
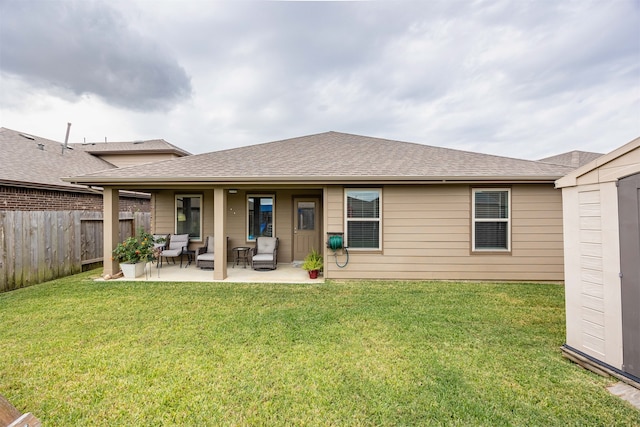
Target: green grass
[{"x": 79, "y": 352}]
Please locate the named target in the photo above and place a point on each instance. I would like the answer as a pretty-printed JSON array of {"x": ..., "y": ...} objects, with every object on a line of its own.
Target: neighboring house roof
[
  {"x": 156, "y": 146},
  {"x": 609, "y": 160},
  {"x": 574, "y": 158},
  {"x": 332, "y": 157},
  {"x": 35, "y": 162}
]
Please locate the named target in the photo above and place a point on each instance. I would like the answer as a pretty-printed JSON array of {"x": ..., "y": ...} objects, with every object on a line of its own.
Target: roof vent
[
  {"x": 138, "y": 142},
  {"x": 41, "y": 146},
  {"x": 24, "y": 135}
]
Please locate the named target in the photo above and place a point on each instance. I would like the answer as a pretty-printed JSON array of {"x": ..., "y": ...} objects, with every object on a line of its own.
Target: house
[
  {"x": 121, "y": 154},
  {"x": 574, "y": 158},
  {"x": 602, "y": 262},
  {"x": 52, "y": 228},
  {"x": 32, "y": 167},
  {"x": 402, "y": 210}
]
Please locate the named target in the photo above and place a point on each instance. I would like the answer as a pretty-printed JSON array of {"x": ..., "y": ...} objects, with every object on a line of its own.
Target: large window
[
  {"x": 491, "y": 219},
  {"x": 363, "y": 218},
  {"x": 188, "y": 216},
  {"x": 260, "y": 216}
]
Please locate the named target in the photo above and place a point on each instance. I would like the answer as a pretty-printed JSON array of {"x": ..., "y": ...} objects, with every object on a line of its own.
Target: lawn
[{"x": 80, "y": 352}]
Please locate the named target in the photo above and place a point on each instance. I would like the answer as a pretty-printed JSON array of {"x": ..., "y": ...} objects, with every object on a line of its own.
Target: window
[
  {"x": 188, "y": 216},
  {"x": 363, "y": 218},
  {"x": 491, "y": 219},
  {"x": 260, "y": 217}
]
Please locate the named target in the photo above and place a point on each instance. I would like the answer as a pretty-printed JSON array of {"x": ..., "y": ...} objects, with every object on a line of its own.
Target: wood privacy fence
[{"x": 36, "y": 246}]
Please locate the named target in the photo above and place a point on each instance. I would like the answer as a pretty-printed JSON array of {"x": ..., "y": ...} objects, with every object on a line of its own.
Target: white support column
[
  {"x": 111, "y": 227},
  {"x": 220, "y": 231}
]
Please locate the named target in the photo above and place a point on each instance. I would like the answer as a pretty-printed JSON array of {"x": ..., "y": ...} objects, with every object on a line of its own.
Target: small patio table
[{"x": 241, "y": 253}]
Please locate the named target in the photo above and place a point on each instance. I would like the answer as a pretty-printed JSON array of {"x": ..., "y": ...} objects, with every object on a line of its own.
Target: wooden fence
[{"x": 36, "y": 246}]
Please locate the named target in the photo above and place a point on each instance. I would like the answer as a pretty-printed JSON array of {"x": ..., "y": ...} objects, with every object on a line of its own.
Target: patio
[{"x": 285, "y": 273}]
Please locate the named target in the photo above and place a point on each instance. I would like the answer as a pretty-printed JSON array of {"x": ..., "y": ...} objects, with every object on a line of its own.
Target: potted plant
[
  {"x": 134, "y": 253},
  {"x": 313, "y": 263}
]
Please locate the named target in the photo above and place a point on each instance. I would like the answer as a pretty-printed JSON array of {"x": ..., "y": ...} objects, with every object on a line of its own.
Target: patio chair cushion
[
  {"x": 207, "y": 256},
  {"x": 176, "y": 243},
  {"x": 263, "y": 257},
  {"x": 266, "y": 245}
]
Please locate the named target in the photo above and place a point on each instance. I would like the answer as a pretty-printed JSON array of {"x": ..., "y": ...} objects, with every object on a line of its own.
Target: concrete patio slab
[{"x": 285, "y": 273}]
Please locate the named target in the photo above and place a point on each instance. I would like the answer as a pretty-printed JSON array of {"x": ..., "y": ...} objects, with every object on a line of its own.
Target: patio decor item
[
  {"x": 265, "y": 255},
  {"x": 313, "y": 263},
  {"x": 134, "y": 253},
  {"x": 178, "y": 245},
  {"x": 204, "y": 256},
  {"x": 131, "y": 271}
]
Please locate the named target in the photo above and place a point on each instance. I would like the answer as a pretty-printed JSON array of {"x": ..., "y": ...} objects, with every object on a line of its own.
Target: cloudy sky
[{"x": 519, "y": 78}]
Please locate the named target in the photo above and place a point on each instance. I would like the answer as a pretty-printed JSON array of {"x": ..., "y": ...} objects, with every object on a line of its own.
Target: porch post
[
  {"x": 220, "y": 231},
  {"x": 111, "y": 228}
]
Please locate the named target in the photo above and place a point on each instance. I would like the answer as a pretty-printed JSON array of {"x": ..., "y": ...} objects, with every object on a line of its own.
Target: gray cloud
[
  {"x": 524, "y": 78},
  {"x": 86, "y": 47}
]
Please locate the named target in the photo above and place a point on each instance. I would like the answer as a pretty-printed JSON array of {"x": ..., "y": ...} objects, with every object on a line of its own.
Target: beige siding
[
  {"x": 164, "y": 203},
  {"x": 124, "y": 160},
  {"x": 427, "y": 235}
]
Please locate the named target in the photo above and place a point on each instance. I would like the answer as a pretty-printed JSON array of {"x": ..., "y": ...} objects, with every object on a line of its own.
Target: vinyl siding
[
  {"x": 427, "y": 235},
  {"x": 127, "y": 159}
]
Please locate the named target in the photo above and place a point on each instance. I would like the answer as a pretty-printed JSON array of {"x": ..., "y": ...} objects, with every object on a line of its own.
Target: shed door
[{"x": 629, "y": 216}]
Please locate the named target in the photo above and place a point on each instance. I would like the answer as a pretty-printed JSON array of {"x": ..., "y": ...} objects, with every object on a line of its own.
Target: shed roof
[
  {"x": 32, "y": 161},
  {"x": 333, "y": 157},
  {"x": 613, "y": 161}
]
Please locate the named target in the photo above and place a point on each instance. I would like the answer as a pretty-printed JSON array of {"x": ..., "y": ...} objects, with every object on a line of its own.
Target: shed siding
[
  {"x": 427, "y": 235},
  {"x": 592, "y": 290}
]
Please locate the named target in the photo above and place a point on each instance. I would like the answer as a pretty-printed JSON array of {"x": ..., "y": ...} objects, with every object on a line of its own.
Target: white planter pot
[{"x": 131, "y": 271}]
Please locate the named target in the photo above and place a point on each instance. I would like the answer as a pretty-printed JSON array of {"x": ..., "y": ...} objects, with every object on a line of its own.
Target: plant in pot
[
  {"x": 313, "y": 263},
  {"x": 134, "y": 253}
]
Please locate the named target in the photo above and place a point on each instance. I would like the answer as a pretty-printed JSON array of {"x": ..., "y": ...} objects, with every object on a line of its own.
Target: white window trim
[
  {"x": 175, "y": 213},
  {"x": 475, "y": 220},
  {"x": 347, "y": 219},
  {"x": 273, "y": 215}
]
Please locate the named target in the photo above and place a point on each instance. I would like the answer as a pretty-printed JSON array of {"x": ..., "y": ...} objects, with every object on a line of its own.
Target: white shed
[{"x": 601, "y": 219}]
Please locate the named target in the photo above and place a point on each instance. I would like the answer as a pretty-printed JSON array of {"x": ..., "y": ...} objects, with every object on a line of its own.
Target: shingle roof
[
  {"x": 574, "y": 158},
  {"x": 32, "y": 161},
  {"x": 148, "y": 146},
  {"x": 333, "y": 156}
]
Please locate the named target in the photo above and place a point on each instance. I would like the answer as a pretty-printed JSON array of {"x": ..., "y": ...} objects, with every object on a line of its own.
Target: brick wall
[{"x": 30, "y": 199}]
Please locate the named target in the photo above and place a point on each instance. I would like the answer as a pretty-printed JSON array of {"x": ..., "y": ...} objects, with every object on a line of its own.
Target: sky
[{"x": 518, "y": 78}]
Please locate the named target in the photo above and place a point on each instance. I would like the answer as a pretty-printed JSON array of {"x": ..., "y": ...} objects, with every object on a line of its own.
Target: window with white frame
[
  {"x": 363, "y": 218},
  {"x": 189, "y": 215},
  {"x": 260, "y": 216},
  {"x": 491, "y": 219}
]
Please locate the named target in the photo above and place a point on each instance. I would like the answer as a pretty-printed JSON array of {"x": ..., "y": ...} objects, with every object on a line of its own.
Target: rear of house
[{"x": 401, "y": 210}]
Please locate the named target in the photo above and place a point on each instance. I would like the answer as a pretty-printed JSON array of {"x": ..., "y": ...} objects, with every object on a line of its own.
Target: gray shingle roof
[
  {"x": 31, "y": 161},
  {"x": 574, "y": 158},
  {"x": 333, "y": 156},
  {"x": 147, "y": 146}
]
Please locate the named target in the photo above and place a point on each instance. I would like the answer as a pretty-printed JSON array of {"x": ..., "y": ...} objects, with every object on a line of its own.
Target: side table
[
  {"x": 190, "y": 257},
  {"x": 241, "y": 253}
]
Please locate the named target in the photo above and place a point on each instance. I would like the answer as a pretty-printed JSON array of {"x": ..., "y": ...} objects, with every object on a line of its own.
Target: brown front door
[
  {"x": 306, "y": 226},
  {"x": 629, "y": 216}
]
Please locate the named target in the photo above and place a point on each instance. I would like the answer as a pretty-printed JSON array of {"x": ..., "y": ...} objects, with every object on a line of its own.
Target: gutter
[{"x": 275, "y": 180}]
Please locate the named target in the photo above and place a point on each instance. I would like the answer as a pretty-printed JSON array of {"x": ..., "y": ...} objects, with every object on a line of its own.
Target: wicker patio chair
[
  {"x": 265, "y": 255},
  {"x": 204, "y": 256}
]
